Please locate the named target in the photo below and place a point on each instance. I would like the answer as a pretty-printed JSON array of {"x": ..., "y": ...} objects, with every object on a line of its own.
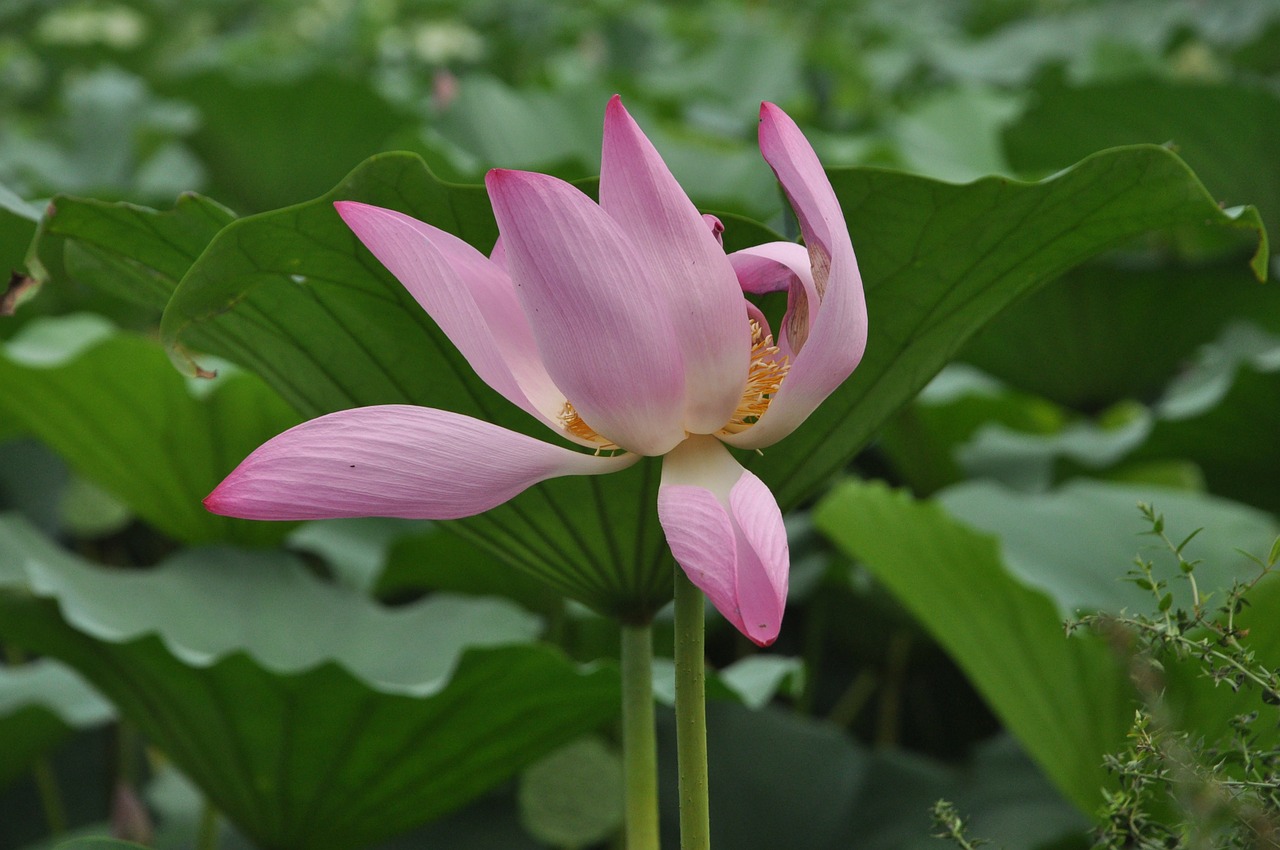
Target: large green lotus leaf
[
  {"x": 1066, "y": 699},
  {"x": 310, "y": 716},
  {"x": 1087, "y": 340},
  {"x": 112, "y": 406},
  {"x": 126, "y": 251},
  {"x": 1107, "y": 332},
  {"x": 41, "y": 704},
  {"x": 1075, "y": 544},
  {"x": 292, "y": 296},
  {"x": 1228, "y": 132}
]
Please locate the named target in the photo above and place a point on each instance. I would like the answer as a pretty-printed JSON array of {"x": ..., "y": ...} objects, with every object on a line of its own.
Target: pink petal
[
  {"x": 395, "y": 461},
  {"x": 471, "y": 298},
  {"x": 776, "y": 266},
  {"x": 689, "y": 268},
  {"x": 837, "y": 335},
  {"x": 726, "y": 532},
  {"x": 603, "y": 329}
]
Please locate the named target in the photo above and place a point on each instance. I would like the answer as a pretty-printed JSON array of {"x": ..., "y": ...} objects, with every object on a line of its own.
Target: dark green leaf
[
  {"x": 1112, "y": 331},
  {"x": 1002, "y": 795}
]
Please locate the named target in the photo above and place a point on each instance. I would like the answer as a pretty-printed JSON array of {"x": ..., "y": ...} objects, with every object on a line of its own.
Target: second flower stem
[
  {"x": 691, "y": 715},
  {"x": 639, "y": 745}
]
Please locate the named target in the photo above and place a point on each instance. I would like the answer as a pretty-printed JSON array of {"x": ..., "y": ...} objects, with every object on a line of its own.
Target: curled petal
[
  {"x": 603, "y": 329},
  {"x": 470, "y": 297},
  {"x": 717, "y": 227},
  {"x": 726, "y": 532},
  {"x": 837, "y": 333},
  {"x": 395, "y": 461},
  {"x": 689, "y": 268},
  {"x": 778, "y": 266}
]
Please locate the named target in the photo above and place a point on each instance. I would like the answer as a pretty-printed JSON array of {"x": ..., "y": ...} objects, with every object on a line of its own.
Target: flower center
[{"x": 764, "y": 376}]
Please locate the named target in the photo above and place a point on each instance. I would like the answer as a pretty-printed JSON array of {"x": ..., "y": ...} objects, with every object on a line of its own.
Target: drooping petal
[
  {"x": 837, "y": 335},
  {"x": 689, "y": 267},
  {"x": 470, "y": 297},
  {"x": 395, "y": 461},
  {"x": 603, "y": 330},
  {"x": 777, "y": 266},
  {"x": 726, "y": 532}
]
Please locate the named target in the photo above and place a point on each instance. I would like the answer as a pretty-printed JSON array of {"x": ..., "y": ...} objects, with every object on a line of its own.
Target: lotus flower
[{"x": 624, "y": 328}]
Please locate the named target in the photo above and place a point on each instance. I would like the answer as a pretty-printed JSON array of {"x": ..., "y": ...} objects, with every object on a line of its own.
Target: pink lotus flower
[{"x": 622, "y": 326}]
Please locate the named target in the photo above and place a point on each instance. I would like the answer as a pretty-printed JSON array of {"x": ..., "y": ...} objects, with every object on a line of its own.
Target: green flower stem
[
  {"x": 639, "y": 741},
  {"x": 691, "y": 716}
]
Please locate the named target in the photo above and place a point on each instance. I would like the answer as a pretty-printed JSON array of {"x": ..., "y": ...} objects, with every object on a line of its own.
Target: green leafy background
[{"x": 1060, "y": 212}]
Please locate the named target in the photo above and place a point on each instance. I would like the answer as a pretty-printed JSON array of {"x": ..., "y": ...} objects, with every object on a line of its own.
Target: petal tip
[
  {"x": 352, "y": 212},
  {"x": 215, "y": 502}
]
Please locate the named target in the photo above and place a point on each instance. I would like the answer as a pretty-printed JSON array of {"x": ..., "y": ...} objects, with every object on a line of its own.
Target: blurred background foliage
[{"x": 923, "y": 653}]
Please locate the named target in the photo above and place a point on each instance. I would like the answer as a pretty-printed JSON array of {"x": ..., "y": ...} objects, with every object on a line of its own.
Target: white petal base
[{"x": 725, "y": 530}]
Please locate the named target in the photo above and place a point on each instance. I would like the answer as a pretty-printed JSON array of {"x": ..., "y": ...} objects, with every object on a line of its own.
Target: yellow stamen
[
  {"x": 572, "y": 422},
  {"x": 763, "y": 379}
]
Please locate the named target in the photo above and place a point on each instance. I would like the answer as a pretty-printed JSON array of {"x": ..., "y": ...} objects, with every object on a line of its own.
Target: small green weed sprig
[
  {"x": 1174, "y": 788},
  {"x": 951, "y": 826}
]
